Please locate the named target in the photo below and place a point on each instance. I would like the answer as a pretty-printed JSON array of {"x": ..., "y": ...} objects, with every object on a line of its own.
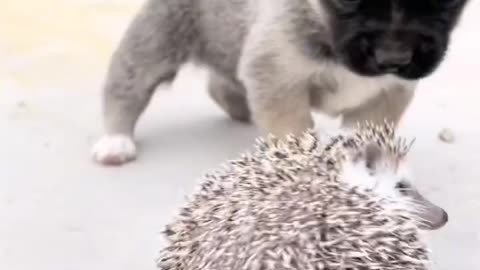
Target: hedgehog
[{"x": 343, "y": 201}]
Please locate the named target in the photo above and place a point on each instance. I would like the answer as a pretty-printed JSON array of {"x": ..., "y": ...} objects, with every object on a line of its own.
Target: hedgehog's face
[{"x": 375, "y": 170}]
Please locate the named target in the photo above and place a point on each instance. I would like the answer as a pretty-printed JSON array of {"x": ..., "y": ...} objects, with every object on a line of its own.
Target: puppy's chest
[{"x": 335, "y": 89}]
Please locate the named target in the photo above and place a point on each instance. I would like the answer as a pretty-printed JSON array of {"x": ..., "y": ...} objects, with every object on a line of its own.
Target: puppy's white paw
[{"x": 114, "y": 150}]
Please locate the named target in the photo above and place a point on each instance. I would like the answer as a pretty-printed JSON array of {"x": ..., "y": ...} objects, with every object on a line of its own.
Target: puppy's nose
[{"x": 391, "y": 59}]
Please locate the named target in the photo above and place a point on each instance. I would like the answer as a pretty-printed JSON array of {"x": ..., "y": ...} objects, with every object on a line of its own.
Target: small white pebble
[{"x": 447, "y": 136}]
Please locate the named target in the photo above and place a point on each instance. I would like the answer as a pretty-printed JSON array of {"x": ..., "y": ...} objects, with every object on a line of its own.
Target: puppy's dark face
[{"x": 407, "y": 38}]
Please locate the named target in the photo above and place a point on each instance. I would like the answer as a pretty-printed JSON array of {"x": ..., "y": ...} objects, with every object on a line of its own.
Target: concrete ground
[{"x": 60, "y": 211}]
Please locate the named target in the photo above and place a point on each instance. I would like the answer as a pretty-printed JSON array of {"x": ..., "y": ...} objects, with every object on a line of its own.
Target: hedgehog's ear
[{"x": 371, "y": 156}]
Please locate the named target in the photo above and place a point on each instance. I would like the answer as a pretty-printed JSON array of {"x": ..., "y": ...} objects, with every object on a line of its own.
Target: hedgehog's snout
[
  {"x": 436, "y": 221},
  {"x": 433, "y": 217},
  {"x": 443, "y": 220}
]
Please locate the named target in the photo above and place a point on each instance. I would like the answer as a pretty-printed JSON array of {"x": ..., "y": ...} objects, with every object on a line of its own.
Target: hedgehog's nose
[
  {"x": 445, "y": 217},
  {"x": 440, "y": 222}
]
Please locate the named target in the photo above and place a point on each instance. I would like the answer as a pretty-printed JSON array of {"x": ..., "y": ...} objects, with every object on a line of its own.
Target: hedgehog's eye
[{"x": 402, "y": 187}]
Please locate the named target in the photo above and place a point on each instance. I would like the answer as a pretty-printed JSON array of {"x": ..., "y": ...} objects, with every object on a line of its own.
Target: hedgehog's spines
[
  {"x": 283, "y": 205},
  {"x": 385, "y": 136}
]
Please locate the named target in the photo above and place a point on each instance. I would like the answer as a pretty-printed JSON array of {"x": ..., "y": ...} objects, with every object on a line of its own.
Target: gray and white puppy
[{"x": 272, "y": 61}]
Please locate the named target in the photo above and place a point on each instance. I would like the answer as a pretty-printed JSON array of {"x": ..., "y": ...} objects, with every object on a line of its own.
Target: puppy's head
[{"x": 407, "y": 38}]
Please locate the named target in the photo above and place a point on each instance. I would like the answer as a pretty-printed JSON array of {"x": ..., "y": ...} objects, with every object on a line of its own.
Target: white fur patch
[
  {"x": 114, "y": 150},
  {"x": 383, "y": 182},
  {"x": 349, "y": 90}
]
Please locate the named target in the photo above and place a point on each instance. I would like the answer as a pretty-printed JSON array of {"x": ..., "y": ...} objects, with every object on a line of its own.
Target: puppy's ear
[{"x": 371, "y": 156}]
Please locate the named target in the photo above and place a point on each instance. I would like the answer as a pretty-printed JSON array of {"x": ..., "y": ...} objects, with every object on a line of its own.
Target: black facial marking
[{"x": 408, "y": 38}]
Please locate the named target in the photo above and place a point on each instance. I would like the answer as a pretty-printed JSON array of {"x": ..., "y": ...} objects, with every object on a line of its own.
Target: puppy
[{"x": 273, "y": 61}]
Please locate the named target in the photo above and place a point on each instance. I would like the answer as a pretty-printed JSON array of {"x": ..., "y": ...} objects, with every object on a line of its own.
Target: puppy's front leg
[
  {"x": 280, "y": 110},
  {"x": 390, "y": 105},
  {"x": 278, "y": 97}
]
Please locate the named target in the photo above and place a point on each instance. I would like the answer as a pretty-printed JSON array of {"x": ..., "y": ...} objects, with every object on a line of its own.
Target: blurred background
[
  {"x": 51, "y": 43},
  {"x": 60, "y": 211}
]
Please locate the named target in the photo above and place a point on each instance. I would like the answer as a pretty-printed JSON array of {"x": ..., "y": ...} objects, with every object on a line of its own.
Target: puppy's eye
[
  {"x": 449, "y": 3},
  {"x": 350, "y": 5},
  {"x": 356, "y": 2}
]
